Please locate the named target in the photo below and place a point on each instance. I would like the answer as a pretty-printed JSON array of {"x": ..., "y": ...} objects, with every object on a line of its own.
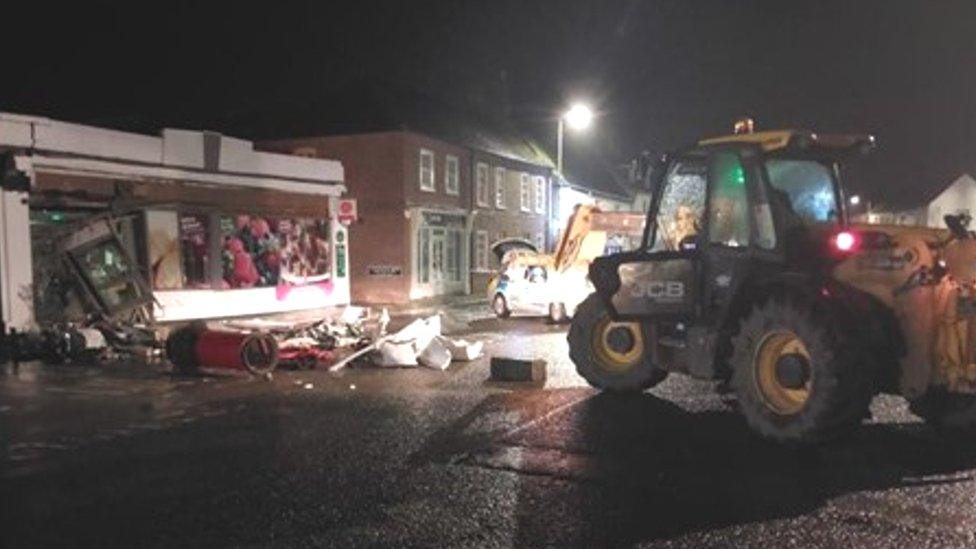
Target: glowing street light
[
  {"x": 579, "y": 117},
  {"x": 855, "y": 200}
]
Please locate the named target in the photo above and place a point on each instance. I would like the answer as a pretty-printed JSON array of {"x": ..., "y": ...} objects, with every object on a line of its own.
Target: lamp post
[{"x": 579, "y": 117}]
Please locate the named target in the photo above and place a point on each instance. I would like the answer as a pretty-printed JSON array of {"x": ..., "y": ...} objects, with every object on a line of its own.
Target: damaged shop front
[{"x": 185, "y": 226}]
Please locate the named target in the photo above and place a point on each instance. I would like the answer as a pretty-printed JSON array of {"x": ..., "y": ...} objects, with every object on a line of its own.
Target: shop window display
[{"x": 262, "y": 251}]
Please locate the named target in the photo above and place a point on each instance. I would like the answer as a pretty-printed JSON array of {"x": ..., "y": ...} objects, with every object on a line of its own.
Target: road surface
[{"x": 126, "y": 456}]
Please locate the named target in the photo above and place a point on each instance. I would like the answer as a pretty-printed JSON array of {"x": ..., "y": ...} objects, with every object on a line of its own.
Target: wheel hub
[
  {"x": 618, "y": 346},
  {"x": 620, "y": 339},
  {"x": 783, "y": 372},
  {"x": 793, "y": 370}
]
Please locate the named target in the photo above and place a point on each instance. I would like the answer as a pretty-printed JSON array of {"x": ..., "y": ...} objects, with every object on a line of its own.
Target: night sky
[{"x": 661, "y": 74}]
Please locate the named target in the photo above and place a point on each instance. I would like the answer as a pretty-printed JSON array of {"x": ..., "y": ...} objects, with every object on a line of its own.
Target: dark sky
[{"x": 660, "y": 73}]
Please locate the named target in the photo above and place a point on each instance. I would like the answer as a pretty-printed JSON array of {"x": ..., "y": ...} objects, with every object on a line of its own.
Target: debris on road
[
  {"x": 436, "y": 356},
  {"x": 391, "y": 353},
  {"x": 463, "y": 350},
  {"x": 422, "y": 343},
  {"x": 80, "y": 317},
  {"x": 514, "y": 369}
]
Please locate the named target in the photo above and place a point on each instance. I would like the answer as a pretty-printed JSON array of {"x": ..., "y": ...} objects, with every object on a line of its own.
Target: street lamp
[
  {"x": 579, "y": 117},
  {"x": 855, "y": 200}
]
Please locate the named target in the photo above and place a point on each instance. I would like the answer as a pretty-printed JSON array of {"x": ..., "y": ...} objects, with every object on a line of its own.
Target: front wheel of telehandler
[
  {"x": 797, "y": 379},
  {"x": 610, "y": 355}
]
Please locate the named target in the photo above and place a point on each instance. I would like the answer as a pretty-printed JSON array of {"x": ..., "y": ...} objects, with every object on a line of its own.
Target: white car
[{"x": 528, "y": 285}]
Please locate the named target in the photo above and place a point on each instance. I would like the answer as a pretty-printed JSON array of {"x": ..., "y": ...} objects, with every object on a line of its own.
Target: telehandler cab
[{"x": 750, "y": 273}]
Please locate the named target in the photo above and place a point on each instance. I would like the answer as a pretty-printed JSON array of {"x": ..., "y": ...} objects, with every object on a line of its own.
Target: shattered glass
[{"x": 682, "y": 204}]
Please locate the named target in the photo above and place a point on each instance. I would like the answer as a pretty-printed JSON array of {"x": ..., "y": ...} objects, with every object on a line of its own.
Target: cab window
[
  {"x": 804, "y": 189},
  {"x": 728, "y": 218},
  {"x": 682, "y": 208}
]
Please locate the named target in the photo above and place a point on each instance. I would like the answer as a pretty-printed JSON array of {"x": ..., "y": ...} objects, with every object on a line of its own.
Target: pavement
[{"x": 126, "y": 455}]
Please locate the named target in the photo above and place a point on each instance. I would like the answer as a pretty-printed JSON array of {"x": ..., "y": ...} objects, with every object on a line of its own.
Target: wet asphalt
[{"x": 126, "y": 455}]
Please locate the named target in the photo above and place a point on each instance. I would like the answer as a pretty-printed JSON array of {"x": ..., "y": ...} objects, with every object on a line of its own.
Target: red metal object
[{"x": 253, "y": 352}]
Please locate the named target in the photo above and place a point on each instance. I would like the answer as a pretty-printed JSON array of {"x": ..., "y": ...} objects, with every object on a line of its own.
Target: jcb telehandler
[{"x": 750, "y": 273}]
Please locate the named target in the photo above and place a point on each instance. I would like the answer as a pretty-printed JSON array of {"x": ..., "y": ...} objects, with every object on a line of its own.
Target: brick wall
[
  {"x": 412, "y": 144},
  {"x": 374, "y": 171}
]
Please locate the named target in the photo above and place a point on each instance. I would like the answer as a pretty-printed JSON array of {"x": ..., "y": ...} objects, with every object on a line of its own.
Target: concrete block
[{"x": 514, "y": 369}]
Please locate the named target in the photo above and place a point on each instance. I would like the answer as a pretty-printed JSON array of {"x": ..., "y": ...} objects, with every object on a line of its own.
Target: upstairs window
[
  {"x": 500, "y": 188},
  {"x": 525, "y": 194},
  {"x": 540, "y": 194},
  {"x": 427, "y": 170},
  {"x": 451, "y": 185},
  {"x": 481, "y": 185}
]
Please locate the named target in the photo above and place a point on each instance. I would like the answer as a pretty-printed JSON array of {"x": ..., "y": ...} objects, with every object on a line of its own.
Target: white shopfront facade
[{"x": 219, "y": 228}]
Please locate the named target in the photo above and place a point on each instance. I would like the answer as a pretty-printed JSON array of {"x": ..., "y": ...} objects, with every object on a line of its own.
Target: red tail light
[{"x": 845, "y": 241}]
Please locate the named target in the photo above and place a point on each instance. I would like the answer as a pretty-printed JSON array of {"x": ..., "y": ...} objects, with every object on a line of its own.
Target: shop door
[{"x": 438, "y": 265}]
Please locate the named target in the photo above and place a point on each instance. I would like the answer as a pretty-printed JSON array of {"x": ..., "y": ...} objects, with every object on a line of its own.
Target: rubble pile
[{"x": 357, "y": 336}]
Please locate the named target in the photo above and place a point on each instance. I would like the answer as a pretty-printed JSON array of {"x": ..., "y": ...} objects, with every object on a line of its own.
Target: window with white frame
[
  {"x": 427, "y": 170},
  {"x": 540, "y": 194},
  {"x": 481, "y": 250},
  {"x": 481, "y": 184},
  {"x": 500, "y": 188},
  {"x": 525, "y": 194},
  {"x": 451, "y": 184}
]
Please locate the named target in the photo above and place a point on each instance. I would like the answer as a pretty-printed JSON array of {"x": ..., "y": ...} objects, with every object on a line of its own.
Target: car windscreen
[{"x": 806, "y": 187}]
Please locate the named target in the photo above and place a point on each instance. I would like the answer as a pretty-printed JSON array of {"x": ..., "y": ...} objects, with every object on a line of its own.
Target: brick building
[
  {"x": 413, "y": 193},
  {"x": 435, "y": 187}
]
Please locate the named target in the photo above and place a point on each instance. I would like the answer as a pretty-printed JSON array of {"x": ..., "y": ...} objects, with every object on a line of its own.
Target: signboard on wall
[
  {"x": 436, "y": 219},
  {"x": 384, "y": 270},
  {"x": 347, "y": 212}
]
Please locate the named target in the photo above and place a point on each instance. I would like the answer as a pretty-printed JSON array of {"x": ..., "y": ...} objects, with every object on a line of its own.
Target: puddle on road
[{"x": 550, "y": 462}]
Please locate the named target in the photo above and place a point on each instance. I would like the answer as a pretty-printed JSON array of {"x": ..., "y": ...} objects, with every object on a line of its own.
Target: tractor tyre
[
  {"x": 947, "y": 412},
  {"x": 499, "y": 305},
  {"x": 796, "y": 378},
  {"x": 612, "y": 356}
]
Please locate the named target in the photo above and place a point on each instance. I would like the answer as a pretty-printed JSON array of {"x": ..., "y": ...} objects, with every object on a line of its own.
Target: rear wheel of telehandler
[
  {"x": 951, "y": 413},
  {"x": 610, "y": 355},
  {"x": 795, "y": 378}
]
